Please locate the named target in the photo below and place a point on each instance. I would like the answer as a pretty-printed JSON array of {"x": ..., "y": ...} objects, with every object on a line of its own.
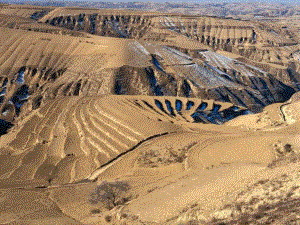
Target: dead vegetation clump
[
  {"x": 118, "y": 216},
  {"x": 285, "y": 153},
  {"x": 283, "y": 212},
  {"x": 163, "y": 157}
]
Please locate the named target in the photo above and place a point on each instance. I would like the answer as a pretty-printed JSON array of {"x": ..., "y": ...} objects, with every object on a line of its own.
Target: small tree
[{"x": 111, "y": 194}]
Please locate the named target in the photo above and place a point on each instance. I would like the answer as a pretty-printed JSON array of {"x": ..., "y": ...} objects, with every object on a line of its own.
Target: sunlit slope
[
  {"x": 25, "y": 11},
  {"x": 61, "y": 49},
  {"x": 39, "y": 65}
]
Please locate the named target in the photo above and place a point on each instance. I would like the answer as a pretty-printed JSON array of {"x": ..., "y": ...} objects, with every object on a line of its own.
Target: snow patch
[{"x": 139, "y": 48}]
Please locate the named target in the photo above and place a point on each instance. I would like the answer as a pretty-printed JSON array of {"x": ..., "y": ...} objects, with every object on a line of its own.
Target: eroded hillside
[
  {"x": 39, "y": 64},
  {"x": 131, "y": 117}
]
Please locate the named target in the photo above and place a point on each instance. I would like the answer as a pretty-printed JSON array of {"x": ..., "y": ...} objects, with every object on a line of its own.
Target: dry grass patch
[
  {"x": 275, "y": 201},
  {"x": 157, "y": 157}
]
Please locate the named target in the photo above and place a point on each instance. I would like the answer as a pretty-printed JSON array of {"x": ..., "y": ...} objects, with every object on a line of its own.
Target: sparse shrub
[
  {"x": 111, "y": 194},
  {"x": 95, "y": 211},
  {"x": 108, "y": 218}
]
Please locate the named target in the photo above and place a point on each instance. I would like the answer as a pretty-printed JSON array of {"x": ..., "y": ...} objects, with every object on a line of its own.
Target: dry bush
[
  {"x": 108, "y": 218},
  {"x": 111, "y": 194}
]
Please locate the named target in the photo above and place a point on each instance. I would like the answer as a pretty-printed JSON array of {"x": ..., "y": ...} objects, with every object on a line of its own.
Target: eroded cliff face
[
  {"x": 266, "y": 43},
  {"x": 111, "y": 23},
  {"x": 262, "y": 44},
  {"x": 250, "y": 39},
  {"x": 56, "y": 65}
]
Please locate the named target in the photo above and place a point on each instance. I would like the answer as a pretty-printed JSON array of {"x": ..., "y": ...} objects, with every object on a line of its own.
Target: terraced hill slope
[
  {"x": 68, "y": 151},
  {"x": 55, "y": 143}
]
